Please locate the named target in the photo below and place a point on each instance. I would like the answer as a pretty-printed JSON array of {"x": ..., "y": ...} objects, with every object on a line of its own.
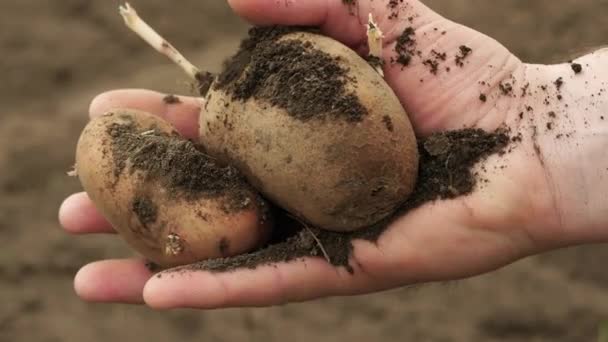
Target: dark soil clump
[
  {"x": 577, "y": 68},
  {"x": 405, "y": 47},
  {"x": 393, "y": 5},
  {"x": 433, "y": 65},
  {"x": 446, "y": 172},
  {"x": 180, "y": 167},
  {"x": 171, "y": 99},
  {"x": 464, "y": 52},
  {"x": 506, "y": 88},
  {"x": 559, "y": 83},
  {"x": 292, "y": 75}
]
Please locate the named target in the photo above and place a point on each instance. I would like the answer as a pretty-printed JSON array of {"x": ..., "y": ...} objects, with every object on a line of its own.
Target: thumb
[
  {"x": 445, "y": 74},
  {"x": 343, "y": 20}
]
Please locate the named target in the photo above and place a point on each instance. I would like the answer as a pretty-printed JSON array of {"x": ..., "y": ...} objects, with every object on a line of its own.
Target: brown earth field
[{"x": 57, "y": 54}]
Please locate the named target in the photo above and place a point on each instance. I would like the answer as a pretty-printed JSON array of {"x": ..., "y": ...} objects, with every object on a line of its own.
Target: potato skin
[
  {"x": 333, "y": 174},
  {"x": 182, "y": 230}
]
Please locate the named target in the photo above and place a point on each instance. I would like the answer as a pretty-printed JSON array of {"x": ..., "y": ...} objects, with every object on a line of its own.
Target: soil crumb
[
  {"x": 559, "y": 82},
  {"x": 180, "y": 167},
  {"x": 405, "y": 47},
  {"x": 292, "y": 75},
  {"x": 577, "y": 68},
  {"x": 505, "y": 88},
  {"x": 171, "y": 99},
  {"x": 393, "y": 5},
  {"x": 446, "y": 171},
  {"x": 464, "y": 52}
]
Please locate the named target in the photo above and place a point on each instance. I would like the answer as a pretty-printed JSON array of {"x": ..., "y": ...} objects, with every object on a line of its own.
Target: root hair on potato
[
  {"x": 319, "y": 243},
  {"x": 314, "y": 236}
]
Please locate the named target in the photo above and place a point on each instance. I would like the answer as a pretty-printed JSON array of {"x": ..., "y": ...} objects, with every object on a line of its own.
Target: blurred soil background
[{"x": 57, "y": 54}]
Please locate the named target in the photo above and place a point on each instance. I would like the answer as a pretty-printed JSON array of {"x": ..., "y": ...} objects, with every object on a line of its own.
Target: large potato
[
  {"x": 333, "y": 170},
  {"x": 168, "y": 200}
]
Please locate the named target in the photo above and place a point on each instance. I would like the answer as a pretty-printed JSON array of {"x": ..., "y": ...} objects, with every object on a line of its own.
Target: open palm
[{"x": 533, "y": 201}]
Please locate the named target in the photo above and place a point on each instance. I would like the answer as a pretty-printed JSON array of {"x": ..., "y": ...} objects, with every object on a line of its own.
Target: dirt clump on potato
[
  {"x": 290, "y": 74},
  {"x": 181, "y": 167},
  {"x": 446, "y": 171}
]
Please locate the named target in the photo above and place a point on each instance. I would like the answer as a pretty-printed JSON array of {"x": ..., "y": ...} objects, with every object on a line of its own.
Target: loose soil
[
  {"x": 290, "y": 74},
  {"x": 577, "y": 68},
  {"x": 464, "y": 52},
  {"x": 446, "y": 163}
]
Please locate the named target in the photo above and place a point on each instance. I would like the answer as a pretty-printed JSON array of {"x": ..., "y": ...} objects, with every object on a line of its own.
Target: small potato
[
  {"x": 169, "y": 201},
  {"x": 338, "y": 152}
]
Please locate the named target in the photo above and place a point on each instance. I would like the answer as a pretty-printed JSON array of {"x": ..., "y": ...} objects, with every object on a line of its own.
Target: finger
[
  {"x": 342, "y": 21},
  {"x": 115, "y": 281},
  {"x": 265, "y": 286},
  {"x": 268, "y": 12},
  {"x": 78, "y": 215},
  {"x": 333, "y": 16},
  {"x": 182, "y": 113}
]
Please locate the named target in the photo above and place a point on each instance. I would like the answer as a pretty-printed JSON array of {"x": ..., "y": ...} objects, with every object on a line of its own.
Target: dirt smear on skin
[
  {"x": 290, "y": 74},
  {"x": 463, "y": 53},
  {"x": 446, "y": 172},
  {"x": 171, "y": 99},
  {"x": 182, "y": 169},
  {"x": 405, "y": 47},
  {"x": 145, "y": 210}
]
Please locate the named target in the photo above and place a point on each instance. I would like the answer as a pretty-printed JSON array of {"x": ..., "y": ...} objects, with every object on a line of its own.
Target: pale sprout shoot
[
  {"x": 147, "y": 33},
  {"x": 375, "y": 42},
  {"x": 73, "y": 172}
]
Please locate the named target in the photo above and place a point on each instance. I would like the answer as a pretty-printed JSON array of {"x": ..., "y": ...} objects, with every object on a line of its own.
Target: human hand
[{"x": 548, "y": 195}]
